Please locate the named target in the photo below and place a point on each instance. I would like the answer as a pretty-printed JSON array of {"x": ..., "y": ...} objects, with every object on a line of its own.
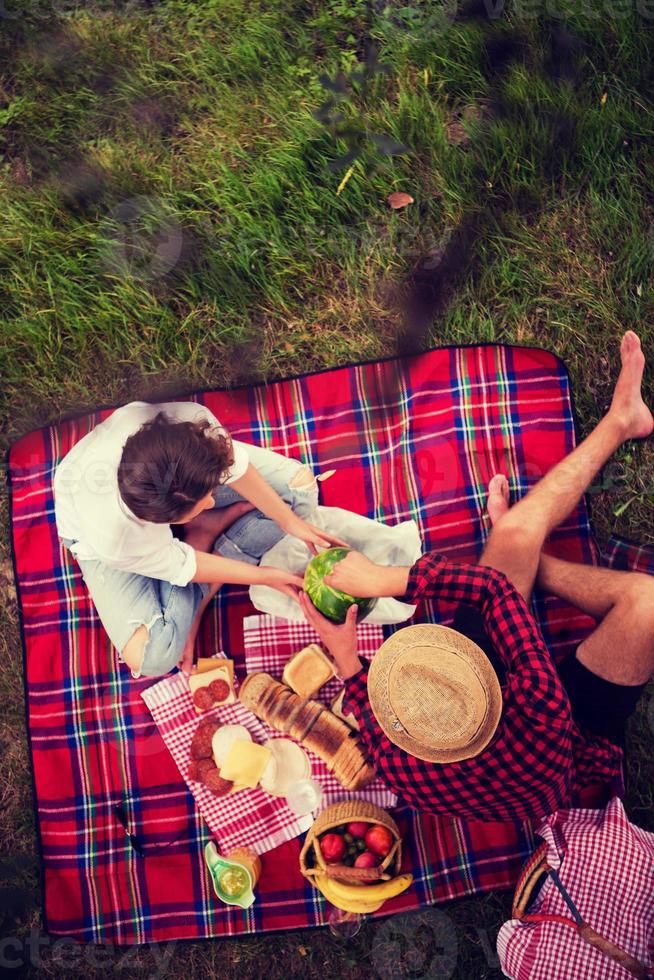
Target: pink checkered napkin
[
  {"x": 249, "y": 818},
  {"x": 269, "y": 643}
]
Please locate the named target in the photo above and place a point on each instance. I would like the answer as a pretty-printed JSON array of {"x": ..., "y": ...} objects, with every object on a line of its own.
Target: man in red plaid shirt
[{"x": 561, "y": 728}]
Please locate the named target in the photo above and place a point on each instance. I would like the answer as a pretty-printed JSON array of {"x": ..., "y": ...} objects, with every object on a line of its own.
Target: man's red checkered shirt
[{"x": 537, "y": 758}]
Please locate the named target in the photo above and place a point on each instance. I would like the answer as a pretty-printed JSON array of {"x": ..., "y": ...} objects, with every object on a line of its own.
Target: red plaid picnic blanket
[{"x": 416, "y": 437}]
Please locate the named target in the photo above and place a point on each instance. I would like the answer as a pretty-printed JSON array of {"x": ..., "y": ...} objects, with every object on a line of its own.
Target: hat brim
[{"x": 425, "y": 634}]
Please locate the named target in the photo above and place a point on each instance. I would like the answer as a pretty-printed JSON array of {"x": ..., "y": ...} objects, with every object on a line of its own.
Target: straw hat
[{"x": 434, "y": 693}]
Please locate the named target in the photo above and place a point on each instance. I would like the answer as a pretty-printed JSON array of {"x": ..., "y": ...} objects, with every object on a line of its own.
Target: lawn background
[{"x": 171, "y": 219}]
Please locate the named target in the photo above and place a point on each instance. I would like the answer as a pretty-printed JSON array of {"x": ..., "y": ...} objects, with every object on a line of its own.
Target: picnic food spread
[
  {"x": 329, "y": 601},
  {"x": 225, "y": 758},
  {"x": 311, "y": 724}
]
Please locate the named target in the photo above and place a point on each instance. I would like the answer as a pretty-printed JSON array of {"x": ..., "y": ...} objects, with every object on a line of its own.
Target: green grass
[{"x": 205, "y": 110}]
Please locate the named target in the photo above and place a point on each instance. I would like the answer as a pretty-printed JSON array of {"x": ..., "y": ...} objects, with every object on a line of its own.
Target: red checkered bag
[{"x": 593, "y": 917}]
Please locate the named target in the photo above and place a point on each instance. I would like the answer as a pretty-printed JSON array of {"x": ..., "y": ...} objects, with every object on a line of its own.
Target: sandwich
[{"x": 212, "y": 685}]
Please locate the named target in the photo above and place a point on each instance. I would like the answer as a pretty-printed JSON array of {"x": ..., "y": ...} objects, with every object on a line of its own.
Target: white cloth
[
  {"x": 386, "y": 545},
  {"x": 90, "y": 511}
]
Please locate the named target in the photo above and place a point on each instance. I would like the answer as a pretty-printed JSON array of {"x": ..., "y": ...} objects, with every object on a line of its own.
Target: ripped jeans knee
[
  {"x": 126, "y": 600},
  {"x": 161, "y": 650},
  {"x": 252, "y": 535}
]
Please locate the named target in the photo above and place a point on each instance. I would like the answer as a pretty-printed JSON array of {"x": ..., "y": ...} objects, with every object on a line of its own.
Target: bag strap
[{"x": 534, "y": 869}]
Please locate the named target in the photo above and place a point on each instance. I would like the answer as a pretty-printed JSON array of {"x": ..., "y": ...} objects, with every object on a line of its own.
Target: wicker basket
[{"x": 346, "y": 812}]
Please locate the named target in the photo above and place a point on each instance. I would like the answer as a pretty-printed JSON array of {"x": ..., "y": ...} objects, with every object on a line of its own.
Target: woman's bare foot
[
  {"x": 203, "y": 530},
  {"x": 498, "y": 497},
  {"x": 185, "y": 662},
  {"x": 627, "y": 405}
]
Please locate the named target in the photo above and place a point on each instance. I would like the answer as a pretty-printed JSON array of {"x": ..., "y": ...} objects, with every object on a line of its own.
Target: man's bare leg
[
  {"x": 515, "y": 543},
  {"x": 621, "y": 649}
]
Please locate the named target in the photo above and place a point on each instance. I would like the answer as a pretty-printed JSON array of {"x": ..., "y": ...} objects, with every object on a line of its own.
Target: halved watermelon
[{"x": 331, "y": 602}]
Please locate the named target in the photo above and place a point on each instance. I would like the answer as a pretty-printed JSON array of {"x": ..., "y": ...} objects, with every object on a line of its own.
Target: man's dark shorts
[{"x": 598, "y": 706}]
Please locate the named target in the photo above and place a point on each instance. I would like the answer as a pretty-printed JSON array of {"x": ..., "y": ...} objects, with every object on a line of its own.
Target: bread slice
[
  {"x": 203, "y": 664},
  {"x": 270, "y": 698},
  {"x": 326, "y": 737},
  {"x": 347, "y": 759},
  {"x": 363, "y": 777},
  {"x": 282, "y": 710},
  {"x": 307, "y": 671},
  {"x": 204, "y": 679},
  {"x": 302, "y": 721},
  {"x": 253, "y": 689}
]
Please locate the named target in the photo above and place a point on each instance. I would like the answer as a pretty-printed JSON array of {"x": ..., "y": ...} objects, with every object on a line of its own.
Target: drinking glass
[
  {"x": 304, "y": 796},
  {"x": 343, "y": 925}
]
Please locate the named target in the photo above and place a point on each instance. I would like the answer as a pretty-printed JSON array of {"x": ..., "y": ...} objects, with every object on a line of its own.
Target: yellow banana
[
  {"x": 361, "y": 898},
  {"x": 373, "y": 893},
  {"x": 353, "y": 903}
]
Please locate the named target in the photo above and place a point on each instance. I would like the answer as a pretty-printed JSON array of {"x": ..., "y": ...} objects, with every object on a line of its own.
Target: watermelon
[{"x": 332, "y": 603}]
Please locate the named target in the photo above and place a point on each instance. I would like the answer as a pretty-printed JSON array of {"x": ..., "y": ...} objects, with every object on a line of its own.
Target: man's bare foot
[
  {"x": 627, "y": 405},
  {"x": 203, "y": 530},
  {"x": 498, "y": 497}
]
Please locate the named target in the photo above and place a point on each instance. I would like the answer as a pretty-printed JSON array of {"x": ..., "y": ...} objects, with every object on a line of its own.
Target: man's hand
[
  {"x": 341, "y": 641},
  {"x": 276, "y": 578},
  {"x": 357, "y": 575},
  {"x": 314, "y": 537}
]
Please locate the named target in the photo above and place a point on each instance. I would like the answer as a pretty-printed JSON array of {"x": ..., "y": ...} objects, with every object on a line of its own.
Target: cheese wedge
[
  {"x": 245, "y": 763},
  {"x": 307, "y": 671},
  {"x": 203, "y": 664},
  {"x": 205, "y": 677}
]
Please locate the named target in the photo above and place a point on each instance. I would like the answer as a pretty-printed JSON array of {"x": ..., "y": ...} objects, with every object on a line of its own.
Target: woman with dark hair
[{"x": 160, "y": 507}]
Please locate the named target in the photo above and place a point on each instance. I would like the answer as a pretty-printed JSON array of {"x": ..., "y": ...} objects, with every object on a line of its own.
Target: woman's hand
[
  {"x": 277, "y": 578},
  {"x": 314, "y": 537},
  {"x": 341, "y": 641},
  {"x": 357, "y": 575}
]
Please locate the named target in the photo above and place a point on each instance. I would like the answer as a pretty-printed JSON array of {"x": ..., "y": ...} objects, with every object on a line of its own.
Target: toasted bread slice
[
  {"x": 336, "y": 728},
  {"x": 271, "y": 697},
  {"x": 326, "y": 737},
  {"x": 203, "y": 664},
  {"x": 303, "y": 720},
  {"x": 348, "y": 759},
  {"x": 283, "y": 709},
  {"x": 307, "y": 671}
]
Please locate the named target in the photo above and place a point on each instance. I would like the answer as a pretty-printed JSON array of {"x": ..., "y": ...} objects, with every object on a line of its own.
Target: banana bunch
[{"x": 360, "y": 898}]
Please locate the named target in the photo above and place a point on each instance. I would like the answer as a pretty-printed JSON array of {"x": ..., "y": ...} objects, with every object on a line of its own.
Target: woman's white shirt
[{"x": 90, "y": 511}]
